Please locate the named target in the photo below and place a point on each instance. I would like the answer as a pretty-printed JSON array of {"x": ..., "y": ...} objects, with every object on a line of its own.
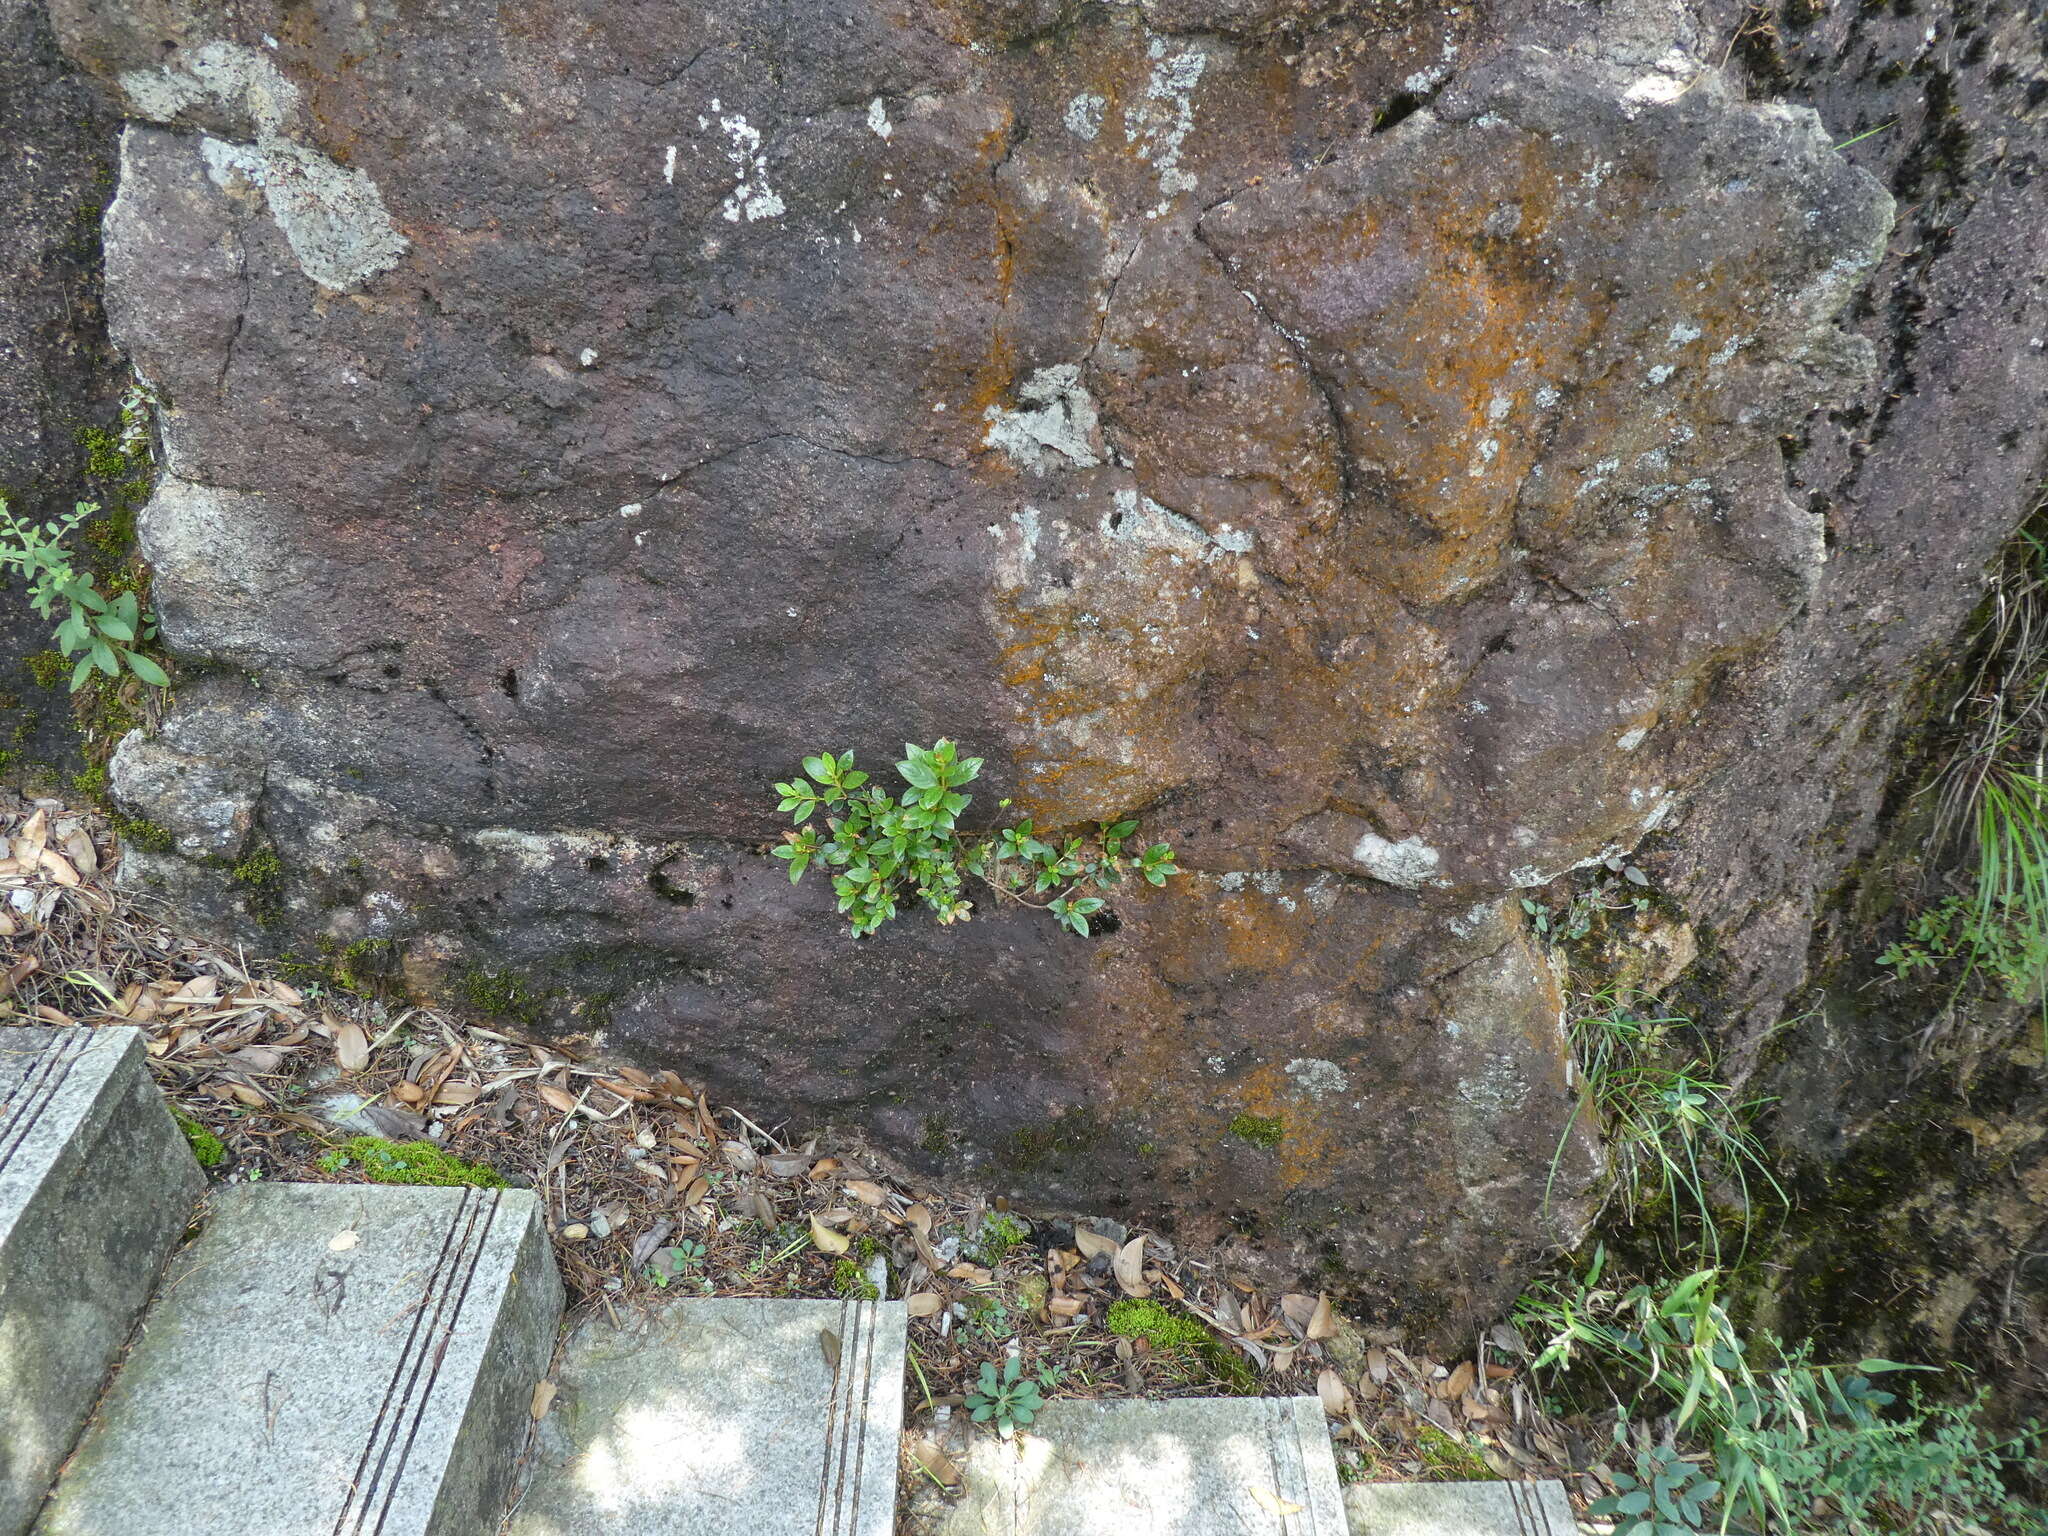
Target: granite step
[
  {"x": 742, "y": 1416},
  {"x": 1208, "y": 1466},
  {"x": 1459, "y": 1509},
  {"x": 326, "y": 1360},
  {"x": 96, "y": 1188}
]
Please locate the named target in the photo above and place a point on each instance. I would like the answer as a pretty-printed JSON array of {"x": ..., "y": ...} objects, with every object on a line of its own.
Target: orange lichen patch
[{"x": 1305, "y": 1150}]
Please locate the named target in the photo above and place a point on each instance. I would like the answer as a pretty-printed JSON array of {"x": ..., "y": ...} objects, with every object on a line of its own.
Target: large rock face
[
  {"x": 58, "y": 374},
  {"x": 1352, "y": 440}
]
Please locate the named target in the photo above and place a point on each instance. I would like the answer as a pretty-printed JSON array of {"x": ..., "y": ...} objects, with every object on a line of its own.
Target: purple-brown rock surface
[{"x": 1372, "y": 444}]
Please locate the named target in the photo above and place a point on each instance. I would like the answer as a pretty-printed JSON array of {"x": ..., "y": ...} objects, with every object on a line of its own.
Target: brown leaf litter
[{"x": 650, "y": 1189}]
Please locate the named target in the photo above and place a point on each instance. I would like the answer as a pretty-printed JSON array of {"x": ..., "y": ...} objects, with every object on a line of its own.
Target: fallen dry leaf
[
  {"x": 1322, "y": 1323},
  {"x": 1271, "y": 1502},
  {"x": 543, "y": 1399},
  {"x": 826, "y": 1239},
  {"x": 352, "y": 1048},
  {"x": 1129, "y": 1267},
  {"x": 558, "y": 1098},
  {"x": 1335, "y": 1395},
  {"x": 1094, "y": 1244},
  {"x": 935, "y": 1461},
  {"x": 1459, "y": 1382},
  {"x": 341, "y": 1242},
  {"x": 924, "y": 1304},
  {"x": 866, "y": 1191}
]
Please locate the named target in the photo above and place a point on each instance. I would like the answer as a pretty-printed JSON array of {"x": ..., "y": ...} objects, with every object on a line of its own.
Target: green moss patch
[
  {"x": 1259, "y": 1130},
  {"x": 1170, "y": 1332},
  {"x": 378, "y": 1161},
  {"x": 207, "y": 1147}
]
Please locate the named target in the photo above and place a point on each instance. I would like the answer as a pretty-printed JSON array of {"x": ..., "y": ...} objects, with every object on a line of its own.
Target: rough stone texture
[
  {"x": 776, "y": 1418},
  {"x": 1195, "y": 1466},
  {"x": 57, "y": 371},
  {"x": 96, "y": 1185},
  {"x": 326, "y": 1358},
  {"x": 1459, "y": 1509},
  {"x": 1383, "y": 449},
  {"x": 1924, "y": 1192}
]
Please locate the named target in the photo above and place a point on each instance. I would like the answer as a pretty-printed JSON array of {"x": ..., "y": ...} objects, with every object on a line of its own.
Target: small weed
[
  {"x": 106, "y": 631},
  {"x": 406, "y": 1162},
  {"x": 1000, "y": 1236},
  {"x": 1007, "y": 1400},
  {"x": 850, "y": 1280},
  {"x": 1672, "y": 1131},
  {"x": 207, "y": 1147},
  {"x": 675, "y": 1262},
  {"x": 1786, "y": 1435},
  {"x": 883, "y": 849},
  {"x": 1266, "y": 1131}
]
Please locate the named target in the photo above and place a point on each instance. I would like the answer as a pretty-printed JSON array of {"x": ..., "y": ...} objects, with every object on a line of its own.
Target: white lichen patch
[
  {"x": 333, "y": 217},
  {"x": 1158, "y": 123},
  {"x": 1316, "y": 1078},
  {"x": 1630, "y": 740},
  {"x": 878, "y": 119},
  {"x": 1055, "y": 421},
  {"x": 1083, "y": 116},
  {"x": 1139, "y": 519},
  {"x": 1409, "y": 863},
  {"x": 751, "y": 197}
]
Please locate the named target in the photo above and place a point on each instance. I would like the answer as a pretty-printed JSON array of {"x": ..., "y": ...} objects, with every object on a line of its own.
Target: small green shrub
[
  {"x": 1783, "y": 1432},
  {"x": 886, "y": 849},
  {"x": 1266, "y": 1131},
  {"x": 105, "y": 631},
  {"x": 406, "y": 1162},
  {"x": 207, "y": 1147}
]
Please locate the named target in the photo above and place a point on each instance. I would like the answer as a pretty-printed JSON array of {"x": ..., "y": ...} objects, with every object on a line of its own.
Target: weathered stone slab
[
  {"x": 1459, "y": 1509},
  {"x": 728, "y": 1415},
  {"x": 96, "y": 1184},
  {"x": 1210, "y": 1466},
  {"x": 326, "y": 1360}
]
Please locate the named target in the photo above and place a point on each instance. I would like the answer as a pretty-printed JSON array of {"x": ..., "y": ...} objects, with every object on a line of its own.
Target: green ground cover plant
[
  {"x": 101, "y": 632},
  {"x": 1679, "y": 1144},
  {"x": 888, "y": 850},
  {"x": 1722, "y": 1432}
]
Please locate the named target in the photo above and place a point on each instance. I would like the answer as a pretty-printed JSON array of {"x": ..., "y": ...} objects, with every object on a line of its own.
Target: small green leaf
[{"x": 147, "y": 670}]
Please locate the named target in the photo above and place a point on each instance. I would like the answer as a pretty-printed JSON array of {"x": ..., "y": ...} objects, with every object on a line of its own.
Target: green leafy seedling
[{"x": 1008, "y": 1401}]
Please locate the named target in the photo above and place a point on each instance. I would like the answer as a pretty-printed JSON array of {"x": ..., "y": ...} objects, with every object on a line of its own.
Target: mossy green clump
[
  {"x": 207, "y": 1147},
  {"x": 503, "y": 995},
  {"x": 91, "y": 784},
  {"x": 1448, "y": 1459},
  {"x": 48, "y": 668},
  {"x": 1000, "y": 1236},
  {"x": 406, "y": 1162},
  {"x": 1170, "y": 1333},
  {"x": 850, "y": 1280},
  {"x": 262, "y": 867},
  {"x": 1160, "y": 1327},
  {"x": 1259, "y": 1130},
  {"x": 140, "y": 832}
]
